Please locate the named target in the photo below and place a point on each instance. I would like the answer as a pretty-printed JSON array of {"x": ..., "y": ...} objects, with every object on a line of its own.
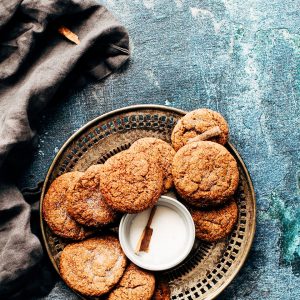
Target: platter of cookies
[{"x": 148, "y": 202}]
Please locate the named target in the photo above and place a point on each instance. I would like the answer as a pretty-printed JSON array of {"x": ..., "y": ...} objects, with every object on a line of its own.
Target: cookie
[
  {"x": 197, "y": 122},
  {"x": 93, "y": 267},
  {"x": 161, "y": 152},
  {"x": 162, "y": 291},
  {"x": 130, "y": 182},
  {"x": 215, "y": 224},
  {"x": 136, "y": 284},
  {"x": 85, "y": 202},
  {"x": 205, "y": 173},
  {"x": 55, "y": 208}
]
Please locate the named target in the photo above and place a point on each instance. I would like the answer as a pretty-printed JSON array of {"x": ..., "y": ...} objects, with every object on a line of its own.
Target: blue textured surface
[{"x": 240, "y": 58}]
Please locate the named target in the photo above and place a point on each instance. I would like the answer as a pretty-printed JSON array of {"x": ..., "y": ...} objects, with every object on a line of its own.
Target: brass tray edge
[{"x": 132, "y": 108}]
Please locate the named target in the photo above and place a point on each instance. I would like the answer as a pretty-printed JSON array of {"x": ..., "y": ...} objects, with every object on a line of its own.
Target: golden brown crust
[
  {"x": 205, "y": 173},
  {"x": 92, "y": 267},
  {"x": 85, "y": 202},
  {"x": 136, "y": 284},
  {"x": 55, "y": 208},
  {"x": 161, "y": 152},
  {"x": 196, "y": 122},
  {"x": 215, "y": 224},
  {"x": 130, "y": 182},
  {"x": 162, "y": 291}
]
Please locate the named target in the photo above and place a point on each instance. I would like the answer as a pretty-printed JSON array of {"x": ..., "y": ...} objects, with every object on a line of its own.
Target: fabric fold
[{"x": 35, "y": 63}]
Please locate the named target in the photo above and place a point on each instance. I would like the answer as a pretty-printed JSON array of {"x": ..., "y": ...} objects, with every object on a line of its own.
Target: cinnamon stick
[
  {"x": 145, "y": 238},
  {"x": 206, "y": 135}
]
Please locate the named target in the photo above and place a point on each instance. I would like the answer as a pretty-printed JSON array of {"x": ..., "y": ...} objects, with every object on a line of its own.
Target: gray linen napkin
[{"x": 35, "y": 63}]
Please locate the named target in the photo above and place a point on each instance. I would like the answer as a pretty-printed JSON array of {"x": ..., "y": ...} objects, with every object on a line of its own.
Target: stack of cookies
[
  {"x": 80, "y": 204},
  {"x": 205, "y": 174}
]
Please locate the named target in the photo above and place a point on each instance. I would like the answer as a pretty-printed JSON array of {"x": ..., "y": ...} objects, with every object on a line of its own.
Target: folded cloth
[{"x": 35, "y": 63}]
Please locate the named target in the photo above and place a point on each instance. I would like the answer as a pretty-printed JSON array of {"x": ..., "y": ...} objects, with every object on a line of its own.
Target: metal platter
[{"x": 211, "y": 266}]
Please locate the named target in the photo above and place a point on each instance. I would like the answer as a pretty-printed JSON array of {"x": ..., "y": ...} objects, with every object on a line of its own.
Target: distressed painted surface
[{"x": 235, "y": 56}]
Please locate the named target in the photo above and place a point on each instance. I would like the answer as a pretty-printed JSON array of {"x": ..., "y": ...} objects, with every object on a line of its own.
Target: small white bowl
[{"x": 172, "y": 239}]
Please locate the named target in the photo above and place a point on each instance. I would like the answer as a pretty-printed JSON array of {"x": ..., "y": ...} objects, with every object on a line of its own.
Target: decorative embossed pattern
[{"x": 210, "y": 266}]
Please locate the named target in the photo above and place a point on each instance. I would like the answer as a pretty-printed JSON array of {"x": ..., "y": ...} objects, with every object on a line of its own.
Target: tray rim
[{"x": 212, "y": 295}]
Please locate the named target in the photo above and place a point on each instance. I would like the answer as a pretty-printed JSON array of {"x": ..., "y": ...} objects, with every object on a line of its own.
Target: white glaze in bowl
[{"x": 172, "y": 238}]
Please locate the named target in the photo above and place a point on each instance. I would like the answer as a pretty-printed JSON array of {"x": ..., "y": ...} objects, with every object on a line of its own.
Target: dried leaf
[{"x": 67, "y": 33}]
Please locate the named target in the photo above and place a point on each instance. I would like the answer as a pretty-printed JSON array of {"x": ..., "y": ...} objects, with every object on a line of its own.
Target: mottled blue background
[{"x": 240, "y": 58}]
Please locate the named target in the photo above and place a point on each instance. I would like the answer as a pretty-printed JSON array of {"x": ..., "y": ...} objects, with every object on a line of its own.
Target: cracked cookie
[
  {"x": 130, "y": 182},
  {"x": 85, "y": 202},
  {"x": 205, "y": 173},
  {"x": 161, "y": 152},
  {"x": 136, "y": 284},
  {"x": 197, "y": 122},
  {"x": 92, "y": 267},
  {"x": 213, "y": 225},
  {"x": 55, "y": 208}
]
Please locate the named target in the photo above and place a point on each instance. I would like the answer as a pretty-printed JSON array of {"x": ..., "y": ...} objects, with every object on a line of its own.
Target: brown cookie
[
  {"x": 92, "y": 267},
  {"x": 85, "y": 202},
  {"x": 197, "y": 122},
  {"x": 55, "y": 208},
  {"x": 215, "y": 224},
  {"x": 161, "y": 152},
  {"x": 205, "y": 173},
  {"x": 130, "y": 182},
  {"x": 162, "y": 291},
  {"x": 136, "y": 284}
]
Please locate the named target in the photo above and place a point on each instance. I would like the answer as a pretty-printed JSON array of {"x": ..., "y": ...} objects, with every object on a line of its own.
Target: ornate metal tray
[{"x": 211, "y": 266}]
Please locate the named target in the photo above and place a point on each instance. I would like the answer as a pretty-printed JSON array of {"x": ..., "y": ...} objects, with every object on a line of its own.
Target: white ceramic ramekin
[{"x": 186, "y": 246}]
